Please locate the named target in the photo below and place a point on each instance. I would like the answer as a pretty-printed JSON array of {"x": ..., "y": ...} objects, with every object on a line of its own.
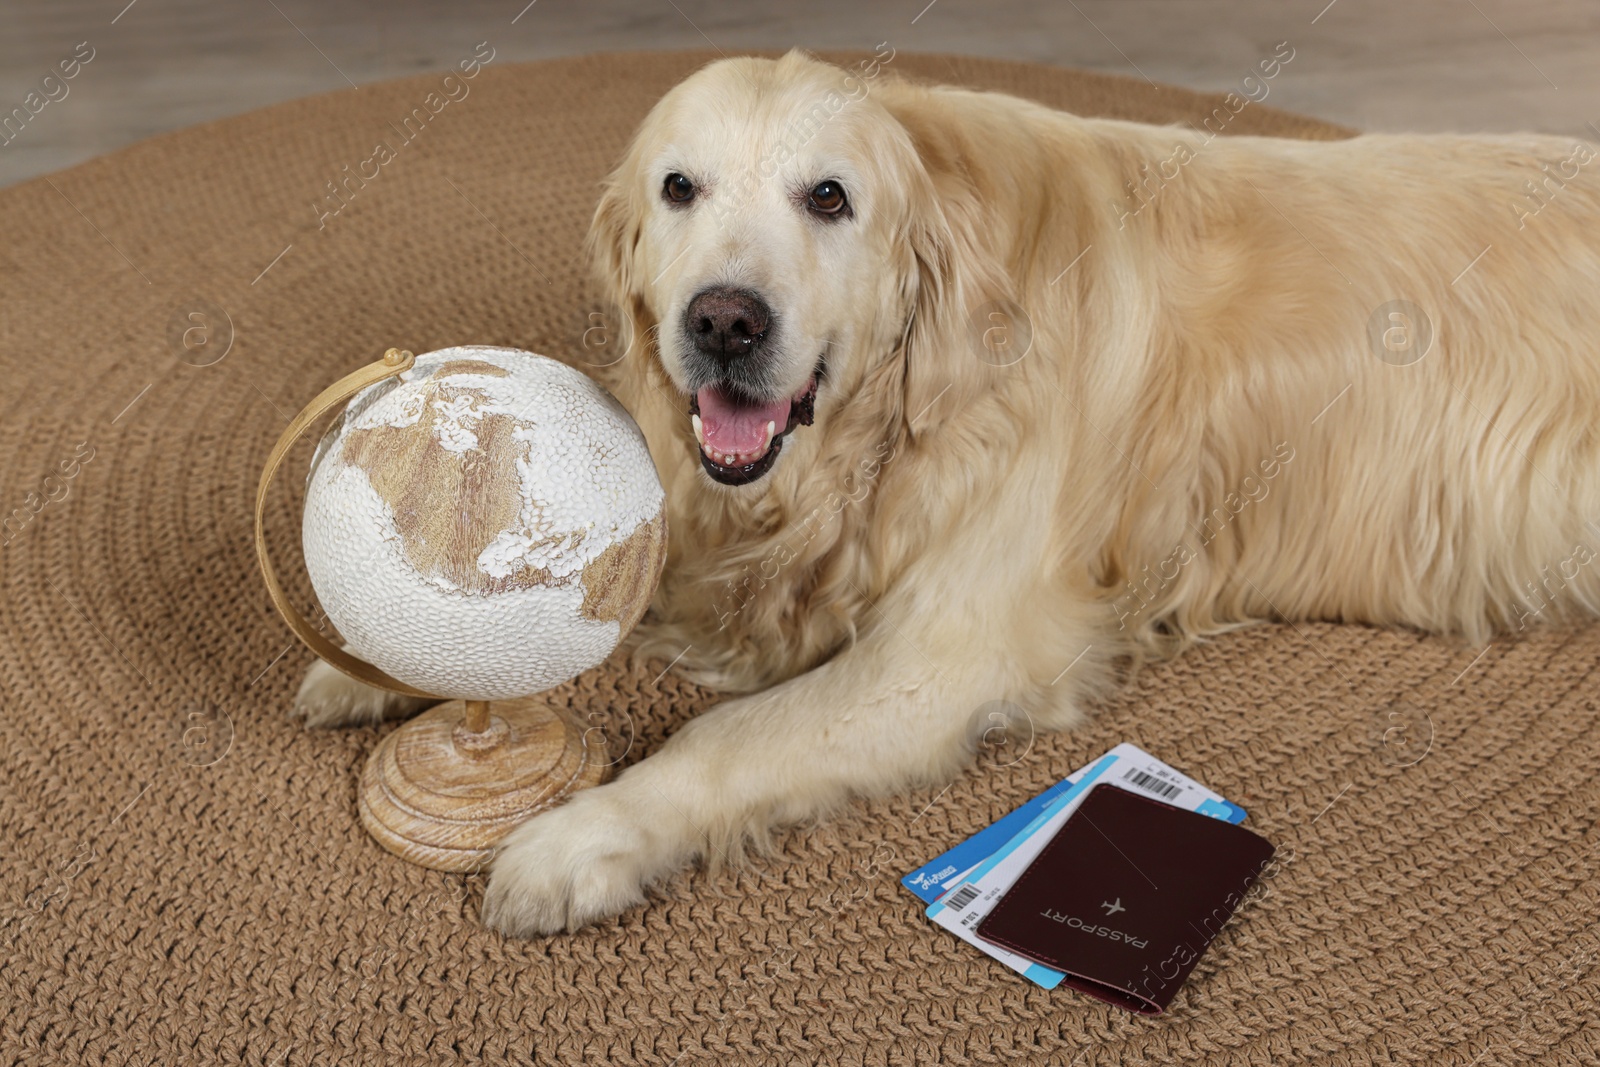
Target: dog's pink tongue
[{"x": 731, "y": 427}]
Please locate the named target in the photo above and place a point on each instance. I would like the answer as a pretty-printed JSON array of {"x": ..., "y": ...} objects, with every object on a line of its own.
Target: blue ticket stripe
[
  {"x": 1077, "y": 789},
  {"x": 1040, "y": 975},
  {"x": 1226, "y": 810},
  {"x": 926, "y": 881}
]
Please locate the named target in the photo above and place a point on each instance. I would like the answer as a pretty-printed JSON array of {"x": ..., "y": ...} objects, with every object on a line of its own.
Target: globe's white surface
[{"x": 486, "y": 525}]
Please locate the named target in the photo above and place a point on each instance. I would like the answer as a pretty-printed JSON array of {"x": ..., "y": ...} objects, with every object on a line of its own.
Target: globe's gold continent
[{"x": 486, "y": 526}]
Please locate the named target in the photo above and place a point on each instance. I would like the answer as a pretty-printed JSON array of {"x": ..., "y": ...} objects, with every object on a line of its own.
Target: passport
[{"x": 1127, "y": 897}]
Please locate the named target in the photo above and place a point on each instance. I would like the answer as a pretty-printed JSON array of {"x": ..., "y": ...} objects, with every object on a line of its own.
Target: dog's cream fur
[{"x": 1201, "y": 435}]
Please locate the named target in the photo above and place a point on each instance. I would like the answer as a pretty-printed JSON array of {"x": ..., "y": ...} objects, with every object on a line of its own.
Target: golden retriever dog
[{"x": 960, "y": 399}]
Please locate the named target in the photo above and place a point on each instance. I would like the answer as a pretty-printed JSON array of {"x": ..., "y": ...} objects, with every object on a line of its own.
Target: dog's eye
[
  {"x": 827, "y": 198},
  {"x": 678, "y": 189}
]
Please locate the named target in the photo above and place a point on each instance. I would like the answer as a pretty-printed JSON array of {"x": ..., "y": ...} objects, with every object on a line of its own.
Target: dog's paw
[
  {"x": 328, "y": 697},
  {"x": 582, "y": 862}
]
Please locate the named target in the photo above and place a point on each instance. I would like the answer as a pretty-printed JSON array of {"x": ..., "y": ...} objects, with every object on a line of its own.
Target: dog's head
[{"x": 774, "y": 239}]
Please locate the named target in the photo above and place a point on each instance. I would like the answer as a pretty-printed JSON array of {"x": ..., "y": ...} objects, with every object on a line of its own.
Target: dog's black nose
[{"x": 727, "y": 323}]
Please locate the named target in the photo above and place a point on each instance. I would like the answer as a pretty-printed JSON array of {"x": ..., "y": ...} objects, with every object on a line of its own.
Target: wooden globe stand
[{"x": 444, "y": 788}]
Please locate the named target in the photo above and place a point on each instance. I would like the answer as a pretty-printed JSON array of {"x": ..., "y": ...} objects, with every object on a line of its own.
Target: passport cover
[{"x": 1128, "y": 896}]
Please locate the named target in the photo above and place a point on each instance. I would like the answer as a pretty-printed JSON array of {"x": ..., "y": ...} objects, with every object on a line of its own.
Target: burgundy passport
[{"x": 1128, "y": 896}]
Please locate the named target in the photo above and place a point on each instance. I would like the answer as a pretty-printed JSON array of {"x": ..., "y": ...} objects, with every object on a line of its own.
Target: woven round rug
[{"x": 183, "y": 876}]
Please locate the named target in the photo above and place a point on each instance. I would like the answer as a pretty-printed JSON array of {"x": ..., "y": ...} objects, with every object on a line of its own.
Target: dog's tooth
[
  {"x": 699, "y": 430},
  {"x": 727, "y": 461},
  {"x": 772, "y": 428}
]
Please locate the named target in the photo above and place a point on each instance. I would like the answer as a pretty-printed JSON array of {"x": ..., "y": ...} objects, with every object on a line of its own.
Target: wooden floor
[{"x": 1376, "y": 64}]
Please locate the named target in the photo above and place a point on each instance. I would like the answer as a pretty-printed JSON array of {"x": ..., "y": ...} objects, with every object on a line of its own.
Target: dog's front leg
[{"x": 892, "y": 711}]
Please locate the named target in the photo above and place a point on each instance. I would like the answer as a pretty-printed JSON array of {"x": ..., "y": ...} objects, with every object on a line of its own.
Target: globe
[{"x": 486, "y": 525}]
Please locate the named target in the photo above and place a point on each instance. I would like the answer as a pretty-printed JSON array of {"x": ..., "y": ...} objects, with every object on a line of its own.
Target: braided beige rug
[{"x": 182, "y": 875}]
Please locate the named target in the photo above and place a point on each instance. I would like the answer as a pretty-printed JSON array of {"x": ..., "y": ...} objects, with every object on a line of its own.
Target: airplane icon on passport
[{"x": 1112, "y": 907}]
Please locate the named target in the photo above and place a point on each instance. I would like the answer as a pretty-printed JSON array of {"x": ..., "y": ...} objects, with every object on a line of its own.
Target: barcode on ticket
[
  {"x": 1151, "y": 783},
  {"x": 962, "y": 897}
]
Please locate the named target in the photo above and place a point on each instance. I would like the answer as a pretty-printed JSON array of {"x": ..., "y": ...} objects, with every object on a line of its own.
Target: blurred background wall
[{"x": 1376, "y": 64}]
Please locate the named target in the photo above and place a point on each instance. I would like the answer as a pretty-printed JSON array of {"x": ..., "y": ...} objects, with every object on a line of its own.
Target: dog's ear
[
  {"x": 950, "y": 279},
  {"x": 614, "y": 235},
  {"x": 612, "y": 249}
]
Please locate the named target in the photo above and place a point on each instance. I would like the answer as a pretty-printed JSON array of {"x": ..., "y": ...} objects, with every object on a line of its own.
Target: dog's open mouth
[{"x": 740, "y": 438}]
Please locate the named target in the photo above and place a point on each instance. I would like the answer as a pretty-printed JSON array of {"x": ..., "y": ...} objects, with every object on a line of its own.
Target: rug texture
[{"x": 183, "y": 878}]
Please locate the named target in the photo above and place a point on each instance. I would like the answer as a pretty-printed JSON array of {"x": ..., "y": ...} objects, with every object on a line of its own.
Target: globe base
[{"x": 443, "y": 789}]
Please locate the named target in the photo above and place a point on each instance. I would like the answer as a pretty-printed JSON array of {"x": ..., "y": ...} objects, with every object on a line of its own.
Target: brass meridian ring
[{"x": 395, "y": 361}]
